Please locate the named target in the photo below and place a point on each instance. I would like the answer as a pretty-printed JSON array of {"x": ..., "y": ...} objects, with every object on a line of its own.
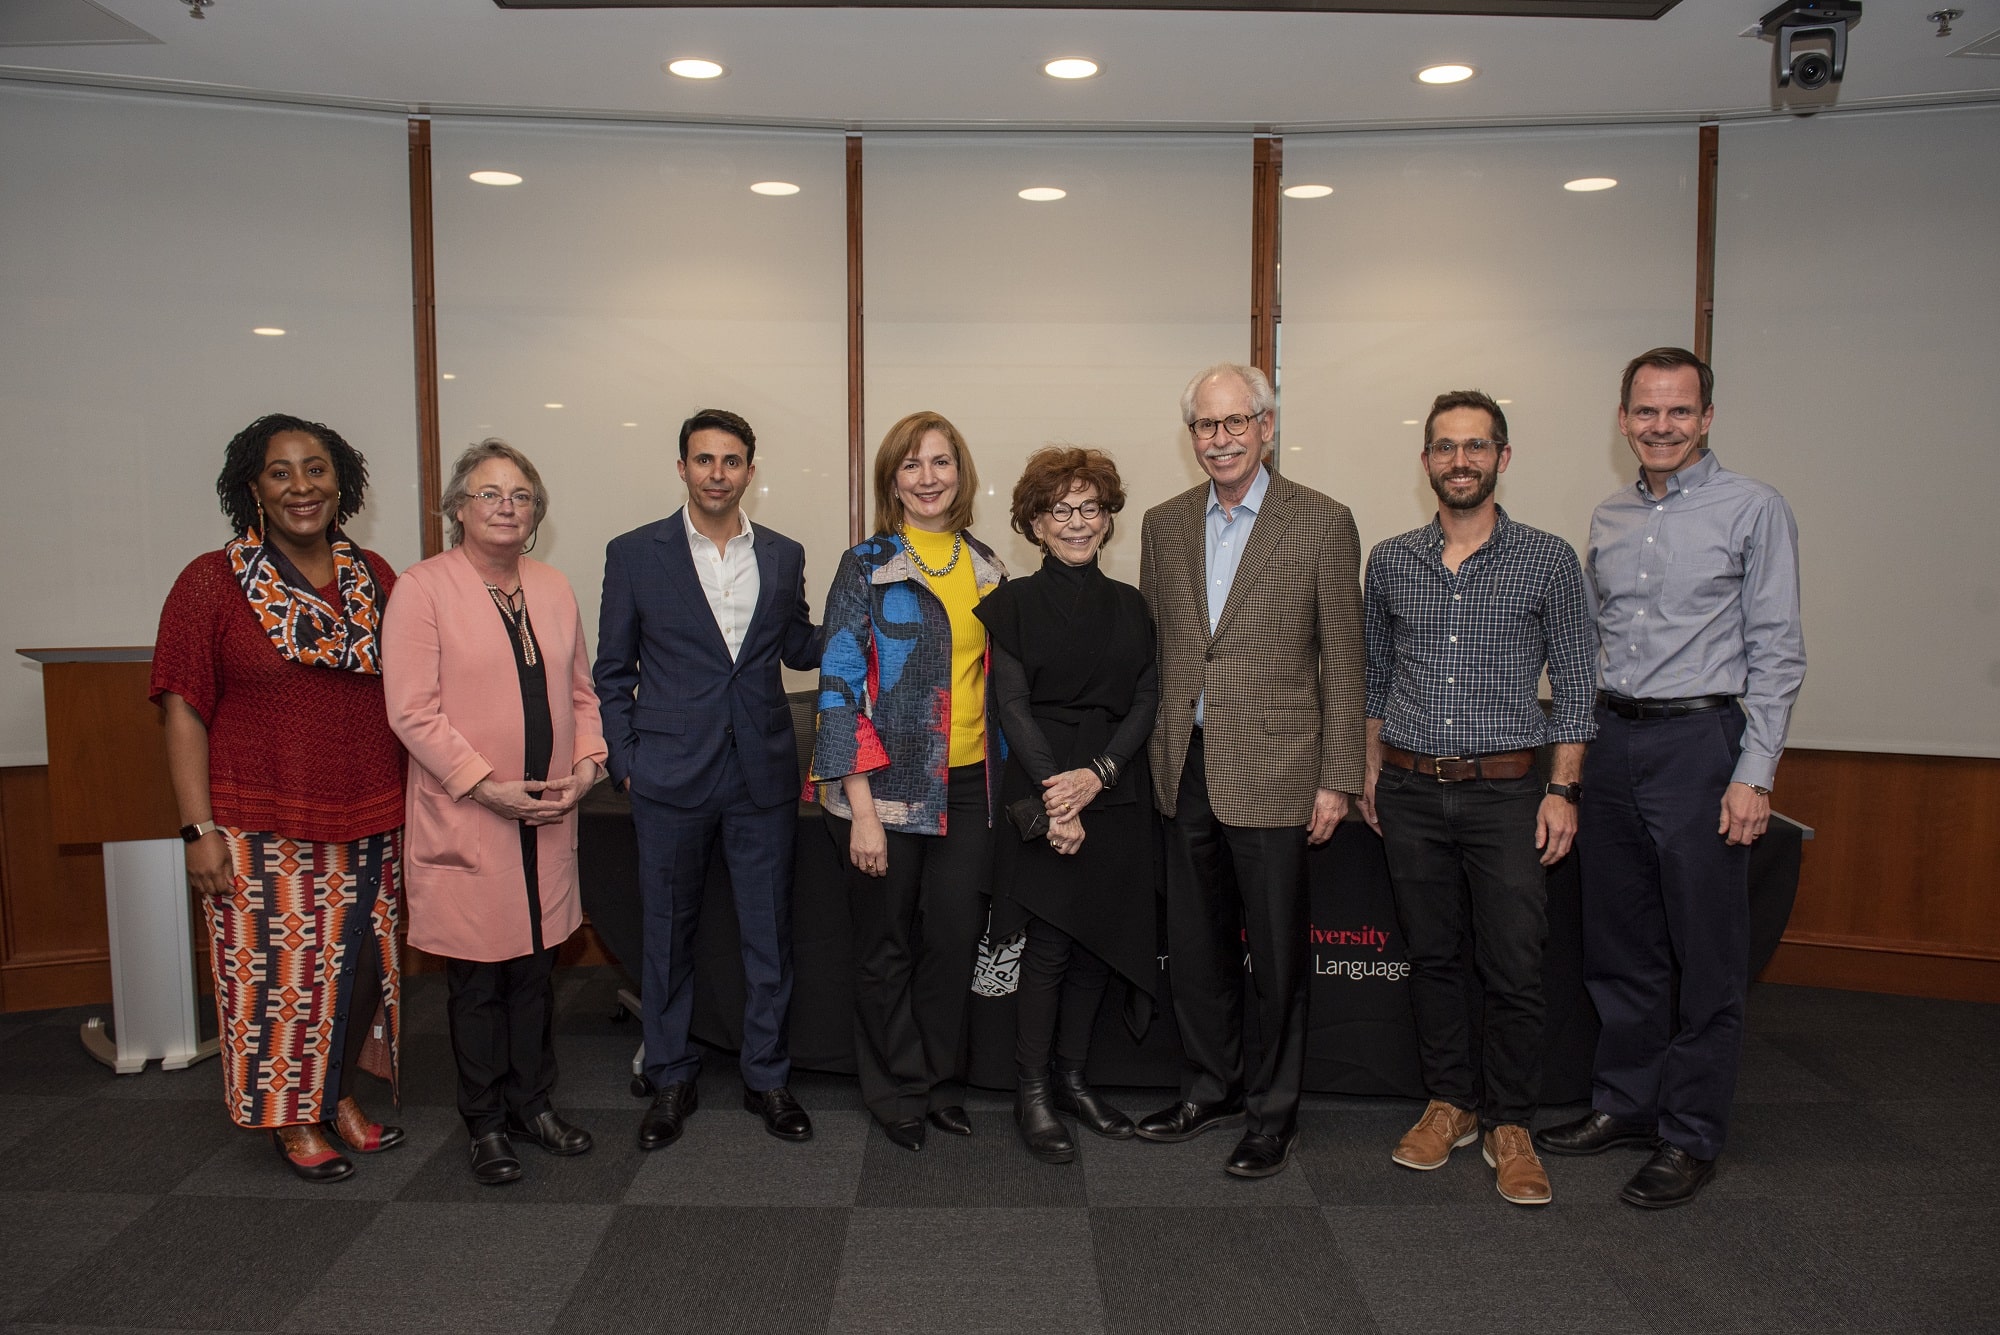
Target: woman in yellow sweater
[{"x": 904, "y": 758}]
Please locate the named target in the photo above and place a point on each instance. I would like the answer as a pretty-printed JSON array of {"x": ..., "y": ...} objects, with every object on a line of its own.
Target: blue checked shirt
[{"x": 1454, "y": 660}]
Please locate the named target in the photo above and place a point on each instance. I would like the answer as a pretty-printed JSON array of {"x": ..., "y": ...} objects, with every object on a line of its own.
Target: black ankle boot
[
  {"x": 1080, "y": 1101},
  {"x": 1041, "y": 1131}
]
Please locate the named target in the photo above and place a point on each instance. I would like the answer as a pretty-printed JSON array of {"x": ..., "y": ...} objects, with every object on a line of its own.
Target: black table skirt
[{"x": 1362, "y": 1038}]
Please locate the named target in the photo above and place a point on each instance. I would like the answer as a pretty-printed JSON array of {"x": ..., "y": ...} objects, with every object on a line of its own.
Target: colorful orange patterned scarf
[{"x": 305, "y": 627}]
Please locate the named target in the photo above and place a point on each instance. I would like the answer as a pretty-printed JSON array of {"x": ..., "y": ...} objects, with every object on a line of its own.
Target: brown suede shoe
[
  {"x": 1519, "y": 1173},
  {"x": 1442, "y": 1129}
]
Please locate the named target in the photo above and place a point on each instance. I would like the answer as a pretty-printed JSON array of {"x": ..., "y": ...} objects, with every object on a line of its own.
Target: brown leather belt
[{"x": 1457, "y": 769}]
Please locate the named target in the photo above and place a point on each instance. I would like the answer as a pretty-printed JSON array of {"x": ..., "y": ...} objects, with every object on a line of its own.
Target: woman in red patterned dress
[{"x": 290, "y": 785}]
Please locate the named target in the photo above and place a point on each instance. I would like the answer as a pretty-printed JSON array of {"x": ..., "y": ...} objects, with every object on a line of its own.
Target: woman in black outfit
[{"x": 1077, "y": 688}]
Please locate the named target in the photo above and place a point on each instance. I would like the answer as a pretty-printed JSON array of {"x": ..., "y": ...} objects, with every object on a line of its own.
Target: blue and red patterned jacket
[{"x": 885, "y": 687}]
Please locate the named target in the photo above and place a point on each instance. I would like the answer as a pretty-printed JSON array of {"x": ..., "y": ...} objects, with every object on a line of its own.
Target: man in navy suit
[{"x": 699, "y": 611}]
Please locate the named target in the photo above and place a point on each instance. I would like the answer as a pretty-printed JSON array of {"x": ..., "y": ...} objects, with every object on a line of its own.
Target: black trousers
[
  {"x": 1662, "y": 889},
  {"x": 916, "y": 941},
  {"x": 1062, "y": 985},
  {"x": 503, "y": 1035},
  {"x": 1462, "y": 860},
  {"x": 1208, "y": 930}
]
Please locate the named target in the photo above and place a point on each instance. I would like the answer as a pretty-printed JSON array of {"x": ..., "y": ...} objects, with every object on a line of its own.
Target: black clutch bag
[{"x": 1030, "y": 817}]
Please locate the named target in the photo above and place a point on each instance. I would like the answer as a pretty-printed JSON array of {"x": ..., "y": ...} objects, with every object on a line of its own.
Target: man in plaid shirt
[{"x": 1461, "y": 617}]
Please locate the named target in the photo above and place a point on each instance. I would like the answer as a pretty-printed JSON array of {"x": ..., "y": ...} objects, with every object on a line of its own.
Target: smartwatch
[
  {"x": 1571, "y": 791},
  {"x": 193, "y": 833}
]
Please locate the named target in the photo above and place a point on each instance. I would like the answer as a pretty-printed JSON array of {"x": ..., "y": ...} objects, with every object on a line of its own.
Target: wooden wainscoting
[
  {"x": 1900, "y": 888},
  {"x": 54, "y": 946}
]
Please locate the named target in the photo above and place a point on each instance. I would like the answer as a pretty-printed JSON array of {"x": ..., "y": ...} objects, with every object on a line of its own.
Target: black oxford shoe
[
  {"x": 1075, "y": 1097},
  {"x": 667, "y": 1118},
  {"x": 1671, "y": 1177},
  {"x": 783, "y": 1116},
  {"x": 1258, "y": 1155},
  {"x": 551, "y": 1133},
  {"x": 951, "y": 1120},
  {"x": 1593, "y": 1134},
  {"x": 905, "y": 1135},
  {"x": 1185, "y": 1121},
  {"x": 493, "y": 1160}
]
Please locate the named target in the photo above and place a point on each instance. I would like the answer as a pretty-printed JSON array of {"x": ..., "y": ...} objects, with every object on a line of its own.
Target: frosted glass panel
[
  {"x": 1857, "y": 343},
  {"x": 1458, "y": 260},
  {"x": 1075, "y": 321},
  {"x": 141, "y": 240},
  {"x": 633, "y": 277}
]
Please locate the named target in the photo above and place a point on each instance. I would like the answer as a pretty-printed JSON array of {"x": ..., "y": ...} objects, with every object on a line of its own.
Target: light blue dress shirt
[{"x": 1226, "y": 536}]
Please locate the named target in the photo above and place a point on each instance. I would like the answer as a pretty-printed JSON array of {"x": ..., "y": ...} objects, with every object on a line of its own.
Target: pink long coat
[{"x": 454, "y": 697}]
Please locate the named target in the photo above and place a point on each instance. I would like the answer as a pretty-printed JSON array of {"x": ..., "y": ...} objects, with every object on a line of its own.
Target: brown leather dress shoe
[
  {"x": 1516, "y": 1170},
  {"x": 361, "y": 1135},
  {"x": 1443, "y": 1128},
  {"x": 305, "y": 1149}
]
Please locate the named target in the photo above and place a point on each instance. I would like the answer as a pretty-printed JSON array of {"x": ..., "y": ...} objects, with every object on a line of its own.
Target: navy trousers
[
  {"x": 1663, "y": 891},
  {"x": 675, "y": 844}
]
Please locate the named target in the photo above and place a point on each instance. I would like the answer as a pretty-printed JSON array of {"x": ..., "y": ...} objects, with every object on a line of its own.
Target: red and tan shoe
[
  {"x": 361, "y": 1135},
  {"x": 305, "y": 1149}
]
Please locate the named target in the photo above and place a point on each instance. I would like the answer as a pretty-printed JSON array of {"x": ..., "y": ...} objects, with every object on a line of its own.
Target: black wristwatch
[
  {"x": 1572, "y": 791},
  {"x": 194, "y": 833}
]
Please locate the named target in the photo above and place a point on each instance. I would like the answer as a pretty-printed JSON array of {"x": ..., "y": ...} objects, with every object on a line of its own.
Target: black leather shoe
[
  {"x": 1080, "y": 1101},
  {"x": 1259, "y": 1155},
  {"x": 783, "y": 1116},
  {"x": 493, "y": 1160},
  {"x": 1671, "y": 1177},
  {"x": 951, "y": 1120},
  {"x": 1593, "y": 1134},
  {"x": 667, "y": 1118},
  {"x": 905, "y": 1135},
  {"x": 1041, "y": 1130},
  {"x": 551, "y": 1132},
  {"x": 1185, "y": 1121}
]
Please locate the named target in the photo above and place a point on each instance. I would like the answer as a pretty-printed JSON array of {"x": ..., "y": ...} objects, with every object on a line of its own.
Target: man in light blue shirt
[{"x": 1227, "y": 529}]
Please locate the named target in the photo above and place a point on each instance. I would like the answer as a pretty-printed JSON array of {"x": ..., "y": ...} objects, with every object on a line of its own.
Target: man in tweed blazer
[{"x": 1254, "y": 585}]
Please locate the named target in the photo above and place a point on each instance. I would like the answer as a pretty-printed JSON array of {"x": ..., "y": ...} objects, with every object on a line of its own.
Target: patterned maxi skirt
[{"x": 284, "y": 945}]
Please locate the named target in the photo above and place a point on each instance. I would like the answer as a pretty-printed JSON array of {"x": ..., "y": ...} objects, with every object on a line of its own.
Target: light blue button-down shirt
[{"x": 1226, "y": 536}]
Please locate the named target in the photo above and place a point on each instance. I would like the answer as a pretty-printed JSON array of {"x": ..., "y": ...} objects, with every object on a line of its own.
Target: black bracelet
[{"x": 1106, "y": 770}]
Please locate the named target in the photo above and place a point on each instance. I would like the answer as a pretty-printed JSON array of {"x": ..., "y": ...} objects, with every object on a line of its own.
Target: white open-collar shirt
[{"x": 729, "y": 578}]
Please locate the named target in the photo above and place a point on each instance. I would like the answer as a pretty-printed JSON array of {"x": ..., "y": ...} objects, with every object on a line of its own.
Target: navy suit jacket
[{"x": 673, "y": 701}]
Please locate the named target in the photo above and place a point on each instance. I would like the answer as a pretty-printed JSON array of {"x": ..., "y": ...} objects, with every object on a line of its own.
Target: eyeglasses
[
  {"x": 1062, "y": 510},
  {"x": 1235, "y": 424},
  {"x": 1475, "y": 448},
  {"x": 490, "y": 499}
]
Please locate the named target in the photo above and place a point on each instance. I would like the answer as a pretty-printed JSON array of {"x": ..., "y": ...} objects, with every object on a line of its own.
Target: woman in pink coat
[{"x": 488, "y": 687}]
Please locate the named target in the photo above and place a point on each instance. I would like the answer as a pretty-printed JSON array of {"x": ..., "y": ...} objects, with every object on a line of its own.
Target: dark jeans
[
  {"x": 503, "y": 1035},
  {"x": 1661, "y": 889},
  {"x": 1062, "y": 985},
  {"x": 916, "y": 941},
  {"x": 1462, "y": 860},
  {"x": 1208, "y": 931}
]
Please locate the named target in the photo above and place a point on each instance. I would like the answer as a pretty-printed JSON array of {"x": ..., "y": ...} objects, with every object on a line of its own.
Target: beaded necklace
[{"x": 957, "y": 550}]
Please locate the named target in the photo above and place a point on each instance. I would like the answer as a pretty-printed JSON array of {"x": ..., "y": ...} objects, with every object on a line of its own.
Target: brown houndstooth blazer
[{"x": 1283, "y": 671}]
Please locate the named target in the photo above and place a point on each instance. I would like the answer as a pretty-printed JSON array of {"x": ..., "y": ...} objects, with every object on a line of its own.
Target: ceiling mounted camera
[{"x": 1811, "y": 36}]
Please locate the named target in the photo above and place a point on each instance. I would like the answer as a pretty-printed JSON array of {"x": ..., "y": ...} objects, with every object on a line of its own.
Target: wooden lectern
[{"x": 108, "y": 784}]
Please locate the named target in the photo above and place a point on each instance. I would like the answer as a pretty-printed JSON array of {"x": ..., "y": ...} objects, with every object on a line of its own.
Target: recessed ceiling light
[
  {"x": 1503, "y": 402},
  {"x": 268, "y": 331},
  {"x": 1585, "y": 184},
  {"x": 775, "y": 188},
  {"x": 496, "y": 178},
  {"x": 1445, "y": 74},
  {"x": 631, "y": 424},
  {"x": 1070, "y": 67},
  {"x": 552, "y": 405},
  {"x": 695, "y": 69},
  {"x": 1042, "y": 194},
  {"x": 447, "y": 376},
  {"x": 1411, "y": 421},
  {"x": 1308, "y": 191}
]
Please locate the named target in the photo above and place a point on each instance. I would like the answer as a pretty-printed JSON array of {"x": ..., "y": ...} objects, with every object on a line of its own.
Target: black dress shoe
[
  {"x": 1593, "y": 1134},
  {"x": 1185, "y": 1121},
  {"x": 951, "y": 1120},
  {"x": 905, "y": 1135},
  {"x": 667, "y": 1118},
  {"x": 783, "y": 1116},
  {"x": 1080, "y": 1101},
  {"x": 1041, "y": 1130},
  {"x": 309, "y": 1155},
  {"x": 1671, "y": 1177},
  {"x": 1258, "y": 1155},
  {"x": 493, "y": 1160},
  {"x": 551, "y": 1132}
]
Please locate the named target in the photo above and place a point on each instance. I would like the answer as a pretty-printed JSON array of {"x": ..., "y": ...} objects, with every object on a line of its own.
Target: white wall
[
  {"x": 1857, "y": 345},
  {"x": 141, "y": 239}
]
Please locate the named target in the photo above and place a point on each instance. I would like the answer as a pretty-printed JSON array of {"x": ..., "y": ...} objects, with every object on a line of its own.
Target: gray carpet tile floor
[{"x": 1860, "y": 1193}]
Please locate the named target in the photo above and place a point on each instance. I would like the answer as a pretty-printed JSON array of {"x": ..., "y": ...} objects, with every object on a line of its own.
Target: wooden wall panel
[{"x": 54, "y": 945}]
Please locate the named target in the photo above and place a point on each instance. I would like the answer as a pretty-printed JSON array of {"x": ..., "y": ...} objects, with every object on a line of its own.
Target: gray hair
[
  {"x": 459, "y": 490},
  {"x": 1262, "y": 398}
]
